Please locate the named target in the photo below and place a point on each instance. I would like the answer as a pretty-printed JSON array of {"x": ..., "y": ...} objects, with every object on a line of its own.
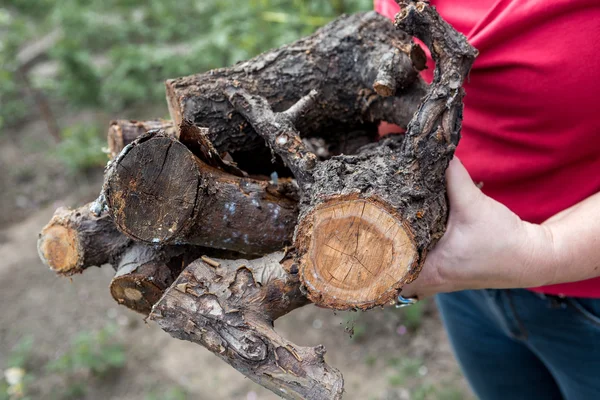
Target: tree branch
[
  {"x": 228, "y": 306},
  {"x": 278, "y": 129},
  {"x": 367, "y": 222},
  {"x": 340, "y": 61},
  {"x": 157, "y": 191},
  {"x": 74, "y": 240}
]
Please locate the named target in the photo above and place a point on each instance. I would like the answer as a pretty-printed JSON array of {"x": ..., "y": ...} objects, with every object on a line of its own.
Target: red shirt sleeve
[{"x": 388, "y": 8}]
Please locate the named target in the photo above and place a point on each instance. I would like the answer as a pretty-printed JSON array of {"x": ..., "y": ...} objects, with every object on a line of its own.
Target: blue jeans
[{"x": 516, "y": 344}]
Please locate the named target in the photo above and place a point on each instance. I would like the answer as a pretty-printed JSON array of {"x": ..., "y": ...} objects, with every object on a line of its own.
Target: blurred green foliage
[
  {"x": 114, "y": 54},
  {"x": 81, "y": 147},
  {"x": 21, "y": 353},
  {"x": 91, "y": 354},
  {"x": 174, "y": 393},
  {"x": 18, "y": 361}
]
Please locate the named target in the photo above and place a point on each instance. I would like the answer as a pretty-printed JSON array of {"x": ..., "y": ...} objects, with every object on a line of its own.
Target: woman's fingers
[{"x": 462, "y": 191}]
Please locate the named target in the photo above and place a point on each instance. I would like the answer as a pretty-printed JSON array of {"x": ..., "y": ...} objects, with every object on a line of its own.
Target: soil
[{"x": 54, "y": 310}]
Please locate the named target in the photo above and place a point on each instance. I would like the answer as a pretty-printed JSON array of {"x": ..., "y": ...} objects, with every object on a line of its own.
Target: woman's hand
[{"x": 485, "y": 245}]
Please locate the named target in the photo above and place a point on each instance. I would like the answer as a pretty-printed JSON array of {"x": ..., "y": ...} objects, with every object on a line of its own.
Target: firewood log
[
  {"x": 341, "y": 60},
  {"x": 364, "y": 222},
  {"x": 368, "y": 221},
  {"x": 74, "y": 240},
  {"x": 229, "y": 306},
  {"x": 157, "y": 191},
  {"x": 122, "y": 132}
]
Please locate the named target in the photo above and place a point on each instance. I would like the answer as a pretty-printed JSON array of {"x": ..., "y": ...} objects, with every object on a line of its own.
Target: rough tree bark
[
  {"x": 74, "y": 240},
  {"x": 367, "y": 221},
  {"x": 341, "y": 61},
  {"x": 229, "y": 306},
  {"x": 144, "y": 272},
  {"x": 158, "y": 191}
]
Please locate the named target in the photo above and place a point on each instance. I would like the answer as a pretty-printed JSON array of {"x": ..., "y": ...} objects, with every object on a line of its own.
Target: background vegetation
[{"x": 111, "y": 55}]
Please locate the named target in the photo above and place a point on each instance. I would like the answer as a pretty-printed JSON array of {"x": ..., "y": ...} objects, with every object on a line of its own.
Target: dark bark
[
  {"x": 367, "y": 221},
  {"x": 158, "y": 191},
  {"x": 340, "y": 61},
  {"x": 144, "y": 272},
  {"x": 278, "y": 129},
  {"x": 196, "y": 140},
  {"x": 142, "y": 276},
  {"x": 75, "y": 240},
  {"x": 229, "y": 307},
  {"x": 352, "y": 239},
  {"x": 406, "y": 183},
  {"x": 386, "y": 82}
]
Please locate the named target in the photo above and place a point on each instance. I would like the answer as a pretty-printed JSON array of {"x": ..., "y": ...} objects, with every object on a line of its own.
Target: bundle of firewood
[{"x": 270, "y": 190}]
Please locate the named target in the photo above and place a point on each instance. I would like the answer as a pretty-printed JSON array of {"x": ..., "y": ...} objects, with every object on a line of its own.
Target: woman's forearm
[
  {"x": 487, "y": 246},
  {"x": 567, "y": 246}
]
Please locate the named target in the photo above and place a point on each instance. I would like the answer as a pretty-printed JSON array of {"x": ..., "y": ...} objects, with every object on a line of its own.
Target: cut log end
[
  {"x": 59, "y": 248},
  {"x": 159, "y": 192},
  {"x": 75, "y": 240},
  {"x": 137, "y": 292},
  {"x": 164, "y": 191},
  {"x": 384, "y": 88},
  {"x": 358, "y": 256}
]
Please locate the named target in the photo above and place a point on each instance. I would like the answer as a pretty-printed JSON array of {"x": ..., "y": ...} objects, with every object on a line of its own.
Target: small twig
[
  {"x": 210, "y": 262},
  {"x": 300, "y": 108},
  {"x": 385, "y": 83},
  {"x": 278, "y": 129}
]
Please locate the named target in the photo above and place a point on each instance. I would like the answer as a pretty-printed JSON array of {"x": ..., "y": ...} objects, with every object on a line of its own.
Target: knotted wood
[
  {"x": 341, "y": 61},
  {"x": 367, "y": 221},
  {"x": 229, "y": 306}
]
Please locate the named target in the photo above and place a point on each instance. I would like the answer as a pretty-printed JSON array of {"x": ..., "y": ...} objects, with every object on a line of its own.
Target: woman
[{"x": 517, "y": 274}]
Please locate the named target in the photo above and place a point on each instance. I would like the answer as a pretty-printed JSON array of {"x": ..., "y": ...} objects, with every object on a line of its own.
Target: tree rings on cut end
[
  {"x": 357, "y": 256},
  {"x": 59, "y": 248},
  {"x": 136, "y": 292},
  {"x": 152, "y": 190}
]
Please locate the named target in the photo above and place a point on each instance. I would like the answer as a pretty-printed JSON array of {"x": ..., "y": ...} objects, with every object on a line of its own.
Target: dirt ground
[{"x": 387, "y": 359}]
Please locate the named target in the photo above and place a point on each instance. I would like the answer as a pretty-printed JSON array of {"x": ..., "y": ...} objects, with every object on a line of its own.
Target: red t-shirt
[{"x": 531, "y": 128}]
